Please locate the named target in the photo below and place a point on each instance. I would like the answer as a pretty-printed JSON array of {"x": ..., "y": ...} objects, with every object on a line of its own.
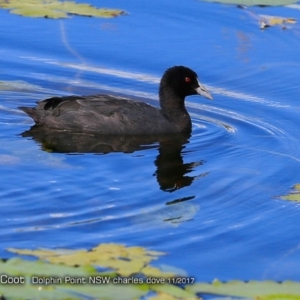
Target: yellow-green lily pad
[
  {"x": 164, "y": 296},
  {"x": 73, "y": 274},
  {"x": 287, "y": 290},
  {"x": 173, "y": 291},
  {"x": 294, "y": 195},
  {"x": 124, "y": 260},
  {"x": 56, "y": 9},
  {"x": 255, "y": 2},
  {"x": 268, "y": 21},
  {"x": 41, "y": 280}
]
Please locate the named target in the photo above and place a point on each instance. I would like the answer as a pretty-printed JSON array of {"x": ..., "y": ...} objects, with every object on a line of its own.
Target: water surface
[{"x": 219, "y": 215}]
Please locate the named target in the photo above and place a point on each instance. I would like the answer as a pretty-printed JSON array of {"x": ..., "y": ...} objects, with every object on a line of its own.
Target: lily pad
[
  {"x": 164, "y": 296},
  {"x": 70, "y": 274},
  {"x": 73, "y": 274},
  {"x": 124, "y": 260},
  {"x": 268, "y": 21},
  {"x": 17, "y": 266},
  {"x": 255, "y": 2},
  {"x": 170, "y": 291},
  {"x": 287, "y": 290},
  {"x": 294, "y": 195},
  {"x": 41, "y": 280},
  {"x": 56, "y": 9}
]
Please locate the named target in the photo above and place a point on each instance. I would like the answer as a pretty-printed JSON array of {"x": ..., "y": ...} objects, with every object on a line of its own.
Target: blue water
[{"x": 222, "y": 219}]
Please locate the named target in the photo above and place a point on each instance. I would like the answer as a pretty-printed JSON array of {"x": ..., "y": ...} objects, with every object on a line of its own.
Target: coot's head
[{"x": 184, "y": 82}]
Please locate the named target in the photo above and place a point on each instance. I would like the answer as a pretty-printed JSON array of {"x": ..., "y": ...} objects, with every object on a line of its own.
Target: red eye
[{"x": 187, "y": 79}]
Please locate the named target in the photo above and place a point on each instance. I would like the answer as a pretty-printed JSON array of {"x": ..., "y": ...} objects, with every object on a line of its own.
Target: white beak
[{"x": 201, "y": 90}]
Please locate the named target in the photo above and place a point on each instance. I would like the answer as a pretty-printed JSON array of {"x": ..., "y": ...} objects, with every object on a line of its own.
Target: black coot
[{"x": 105, "y": 114}]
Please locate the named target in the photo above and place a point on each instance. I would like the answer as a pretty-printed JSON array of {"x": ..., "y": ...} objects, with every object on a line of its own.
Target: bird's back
[{"x": 103, "y": 114}]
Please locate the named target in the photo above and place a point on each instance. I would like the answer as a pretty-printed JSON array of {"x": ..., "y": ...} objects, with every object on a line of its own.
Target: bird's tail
[{"x": 31, "y": 112}]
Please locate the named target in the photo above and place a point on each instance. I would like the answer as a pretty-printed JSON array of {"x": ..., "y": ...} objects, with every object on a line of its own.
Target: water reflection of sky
[{"x": 222, "y": 219}]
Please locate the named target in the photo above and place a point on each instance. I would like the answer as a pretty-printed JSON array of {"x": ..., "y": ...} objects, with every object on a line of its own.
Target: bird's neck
[{"x": 172, "y": 106}]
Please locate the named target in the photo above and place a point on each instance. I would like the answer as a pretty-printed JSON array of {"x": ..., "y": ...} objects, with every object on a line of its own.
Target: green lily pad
[
  {"x": 56, "y": 9},
  {"x": 287, "y": 290},
  {"x": 73, "y": 274},
  {"x": 255, "y": 2},
  {"x": 124, "y": 260},
  {"x": 294, "y": 195},
  {"x": 174, "y": 291},
  {"x": 17, "y": 266},
  {"x": 164, "y": 296},
  {"x": 41, "y": 280}
]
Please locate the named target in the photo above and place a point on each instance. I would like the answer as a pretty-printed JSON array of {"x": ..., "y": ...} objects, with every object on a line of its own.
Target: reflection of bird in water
[
  {"x": 110, "y": 115},
  {"x": 61, "y": 141},
  {"x": 171, "y": 169}
]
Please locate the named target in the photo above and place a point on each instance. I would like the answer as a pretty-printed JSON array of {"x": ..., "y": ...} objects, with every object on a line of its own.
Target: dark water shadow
[
  {"x": 171, "y": 173},
  {"x": 171, "y": 169}
]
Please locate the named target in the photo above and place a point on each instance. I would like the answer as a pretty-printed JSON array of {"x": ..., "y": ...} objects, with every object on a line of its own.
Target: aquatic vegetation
[
  {"x": 294, "y": 195},
  {"x": 255, "y": 2},
  {"x": 252, "y": 289},
  {"x": 264, "y": 21},
  {"x": 124, "y": 260},
  {"x": 63, "y": 273},
  {"x": 125, "y": 272},
  {"x": 56, "y": 9}
]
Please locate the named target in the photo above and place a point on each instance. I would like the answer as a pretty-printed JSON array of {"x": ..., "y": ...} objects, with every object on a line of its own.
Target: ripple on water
[
  {"x": 249, "y": 151},
  {"x": 244, "y": 148}
]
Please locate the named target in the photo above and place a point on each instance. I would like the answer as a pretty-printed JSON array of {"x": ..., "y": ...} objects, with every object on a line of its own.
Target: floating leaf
[
  {"x": 155, "y": 272},
  {"x": 297, "y": 187},
  {"x": 287, "y": 290},
  {"x": 268, "y": 21},
  {"x": 255, "y": 2},
  {"x": 164, "y": 296},
  {"x": 124, "y": 260},
  {"x": 61, "y": 279},
  {"x": 56, "y": 9},
  {"x": 294, "y": 195},
  {"x": 172, "y": 290},
  {"x": 16, "y": 267},
  {"x": 43, "y": 280},
  {"x": 40, "y": 280}
]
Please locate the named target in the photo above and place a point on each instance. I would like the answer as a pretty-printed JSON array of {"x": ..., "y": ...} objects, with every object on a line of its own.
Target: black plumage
[{"x": 106, "y": 114}]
